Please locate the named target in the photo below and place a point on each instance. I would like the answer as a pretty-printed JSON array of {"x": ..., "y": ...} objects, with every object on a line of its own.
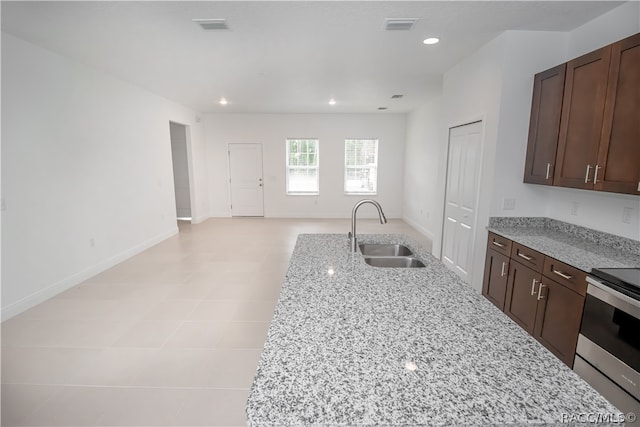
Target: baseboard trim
[
  {"x": 321, "y": 215},
  {"x": 50, "y": 291},
  {"x": 418, "y": 227}
]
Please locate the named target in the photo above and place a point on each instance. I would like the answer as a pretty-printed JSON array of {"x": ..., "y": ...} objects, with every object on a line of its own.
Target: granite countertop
[
  {"x": 345, "y": 333},
  {"x": 579, "y": 247}
]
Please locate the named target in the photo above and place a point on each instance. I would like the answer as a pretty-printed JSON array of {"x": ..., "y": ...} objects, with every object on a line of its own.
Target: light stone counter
[
  {"x": 577, "y": 246},
  {"x": 344, "y": 332}
]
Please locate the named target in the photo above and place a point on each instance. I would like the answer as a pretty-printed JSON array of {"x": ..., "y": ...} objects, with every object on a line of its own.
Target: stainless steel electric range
[{"x": 608, "y": 351}]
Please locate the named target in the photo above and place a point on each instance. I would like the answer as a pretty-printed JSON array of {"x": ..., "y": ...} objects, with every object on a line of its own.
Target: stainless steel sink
[
  {"x": 384, "y": 249},
  {"x": 394, "y": 262}
]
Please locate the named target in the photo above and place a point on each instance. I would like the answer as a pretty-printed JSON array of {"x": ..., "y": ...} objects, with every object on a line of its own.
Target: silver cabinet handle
[
  {"x": 521, "y": 255},
  {"x": 498, "y": 244},
  {"x": 561, "y": 274},
  {"x": 548, "y": 170},
  {"x": 502, "y": 272},
  {"x": 540, "y": 296},
  {"x": 533, "y": 287},
  {"x": 586, "y": 175},
  {"x": 595, "y": 175}
]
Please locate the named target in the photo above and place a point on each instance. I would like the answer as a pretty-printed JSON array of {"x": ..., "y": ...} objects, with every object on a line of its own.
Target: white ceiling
[{"x": 289, "y": 56}]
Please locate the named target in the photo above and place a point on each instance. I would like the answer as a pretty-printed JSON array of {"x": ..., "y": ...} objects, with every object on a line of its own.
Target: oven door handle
[{"x": 613, "y": 297}]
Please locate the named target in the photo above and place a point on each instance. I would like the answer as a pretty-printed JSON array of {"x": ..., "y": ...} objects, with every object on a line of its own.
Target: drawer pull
[
  {"x": 540, "y": 296},
  {"x": 561, "y": 274},
  {"x": 502, "y": 271},
  {"x": 527, "y": 257},
  {"x": 533, "y": 287},
  {"x": 498, "y": 244}
]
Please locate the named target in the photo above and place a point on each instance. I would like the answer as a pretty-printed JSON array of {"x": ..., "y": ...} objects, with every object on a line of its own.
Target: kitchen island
[{"x": 351, "y": 344}]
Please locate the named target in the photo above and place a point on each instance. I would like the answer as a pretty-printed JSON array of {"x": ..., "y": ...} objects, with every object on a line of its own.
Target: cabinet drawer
[
  {"x": 528, "y": 257},
  {"x": 499, "y": 244},
  {"x": 566, "y": 275}
]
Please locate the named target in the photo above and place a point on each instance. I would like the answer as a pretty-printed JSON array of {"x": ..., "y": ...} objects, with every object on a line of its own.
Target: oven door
[{"x": 610, "y": 335}]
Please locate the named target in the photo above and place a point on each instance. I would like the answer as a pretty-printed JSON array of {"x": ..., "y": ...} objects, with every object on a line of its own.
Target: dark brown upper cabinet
[
  {"x": 544, "y": 127},
  {"x": 582, "y": 116},
  {"x": 585, "y": 122},
  {"x": 619, "y": 155}
]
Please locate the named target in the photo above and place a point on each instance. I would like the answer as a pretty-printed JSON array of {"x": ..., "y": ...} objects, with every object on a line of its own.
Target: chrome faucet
[{"x": 352, "y": 234}]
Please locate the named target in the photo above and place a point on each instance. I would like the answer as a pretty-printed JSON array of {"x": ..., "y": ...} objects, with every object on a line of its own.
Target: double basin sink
[{"x": 389, "y": 255}]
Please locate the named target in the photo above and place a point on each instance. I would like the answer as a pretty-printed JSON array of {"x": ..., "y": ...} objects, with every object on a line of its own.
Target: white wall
[
  {"x": 86, "y": 172},
  {"x": 472, "y": 91},
  {"x": 271, "y": 130},
  {"x": 526, "y": 53},
  {"x": 496, "y": 83},
  {"x": 599, "y": 210},
  {"x": 424, "y": 170}
]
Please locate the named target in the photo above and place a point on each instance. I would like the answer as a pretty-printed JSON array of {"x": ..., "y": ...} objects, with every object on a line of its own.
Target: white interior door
[
  {"x": 463, "y": 173},
  {"x": 245, "y": 174}
]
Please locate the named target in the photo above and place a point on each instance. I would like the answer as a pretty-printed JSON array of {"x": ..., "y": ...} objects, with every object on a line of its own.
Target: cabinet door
[
  {"x": 558, "y": 319},
  {"x": 581, "y": 121},
  {"x": 522, "y": 288},
  {"x": 619, "y": 156},
  {"x": 544, "y": 126},
  {"x": 496, "y": 272}
]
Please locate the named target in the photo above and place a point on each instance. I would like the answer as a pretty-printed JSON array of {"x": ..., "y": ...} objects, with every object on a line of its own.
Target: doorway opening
[{"x": 181, "y": 160}]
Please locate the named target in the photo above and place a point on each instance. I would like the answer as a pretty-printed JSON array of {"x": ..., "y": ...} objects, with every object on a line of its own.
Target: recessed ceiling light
[
  {"x": 431, "y": 40},
  {"x": 332, "y": 101},
  {"x": 396, "y": 96},
  {"x": 382, "y": 108},
  {"x": 223, "y": 101}
]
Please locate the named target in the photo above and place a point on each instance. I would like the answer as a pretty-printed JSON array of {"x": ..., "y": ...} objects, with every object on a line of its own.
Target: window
[
  {"x": 360, "y": 166},
  {"x": 302, "y": 166}
]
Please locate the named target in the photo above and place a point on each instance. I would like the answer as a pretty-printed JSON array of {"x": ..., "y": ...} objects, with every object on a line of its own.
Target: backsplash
[{"x": 601, "y": 238}]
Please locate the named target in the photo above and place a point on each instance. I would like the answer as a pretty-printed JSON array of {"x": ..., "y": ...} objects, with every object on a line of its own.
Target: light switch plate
[
  {"x": 508, "y": 204},
  {"x": 626, "y": 215},
  {"x": 574, "y": 208}
]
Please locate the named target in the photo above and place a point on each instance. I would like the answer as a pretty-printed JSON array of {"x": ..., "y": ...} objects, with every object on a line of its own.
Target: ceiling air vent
[
  {"x": 399, "y": 24},
  {"x": 212, "y": 24}
]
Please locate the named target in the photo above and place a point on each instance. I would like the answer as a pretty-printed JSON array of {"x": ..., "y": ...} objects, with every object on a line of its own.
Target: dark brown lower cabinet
[
  {"x": 558, "y": 319},
  {"x": 496, "y": 272},
  {"x": 521, "y": 304},
  {"x": 549, "y": 310}
]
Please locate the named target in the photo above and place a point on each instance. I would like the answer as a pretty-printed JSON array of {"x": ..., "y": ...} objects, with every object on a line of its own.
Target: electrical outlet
[
  {"x": 508, "y": 204},
  {"x": 626, "y": 215},
  {"x": 92, "y": 242},
  {"x": 574, "y": 208}
]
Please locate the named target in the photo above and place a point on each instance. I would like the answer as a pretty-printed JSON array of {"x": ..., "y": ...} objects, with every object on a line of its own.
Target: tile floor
[{"x": 171, "y": 336}]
